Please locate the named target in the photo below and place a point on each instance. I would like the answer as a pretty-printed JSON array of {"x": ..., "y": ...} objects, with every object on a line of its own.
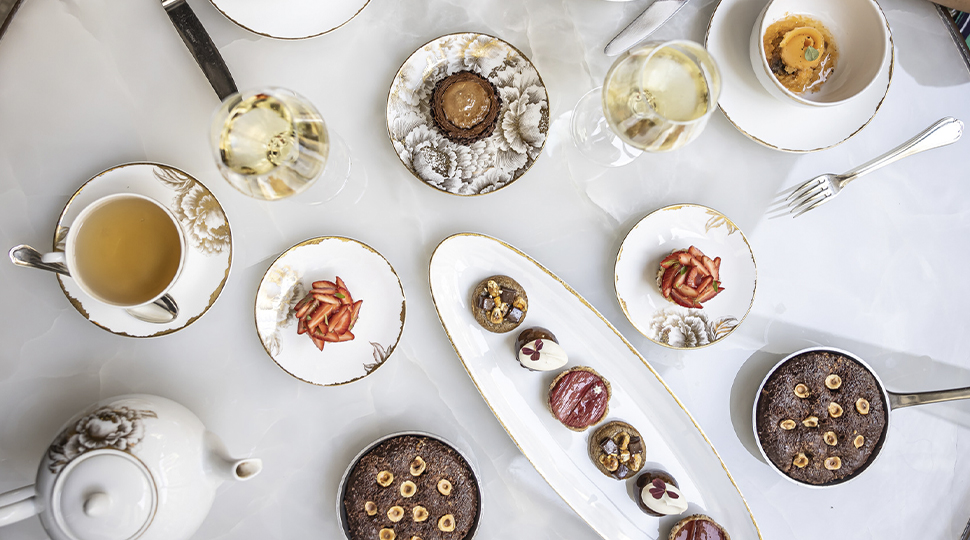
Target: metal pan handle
[{"x": 899, "y": 400}]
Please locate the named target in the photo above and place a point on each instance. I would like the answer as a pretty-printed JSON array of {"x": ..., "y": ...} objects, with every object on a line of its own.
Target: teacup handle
[{"x": 18, "y": 505}]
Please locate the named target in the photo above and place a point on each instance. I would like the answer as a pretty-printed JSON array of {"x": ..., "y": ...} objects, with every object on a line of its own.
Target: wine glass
[
  {"x": 272, "y": 143},
  {"x": 656, "y": 98}
]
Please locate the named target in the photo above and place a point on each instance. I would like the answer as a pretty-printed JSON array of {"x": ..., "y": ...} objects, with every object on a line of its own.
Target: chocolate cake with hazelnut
[
  {"x": 465, "y": 107},
  {"x": 411, "y": 486},
  {"x": 616, "y": 449},
  {"x": 820, "y": 416},
  {"x": 499, "y": 304}
]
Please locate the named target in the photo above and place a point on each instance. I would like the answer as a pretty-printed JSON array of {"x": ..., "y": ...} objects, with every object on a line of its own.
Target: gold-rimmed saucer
[
  {"x": 290, "y": 19},
  {"x": 484, "y": 166},
  {"x": 208, "y": 244},
  {"x": 369, "y": 277}
]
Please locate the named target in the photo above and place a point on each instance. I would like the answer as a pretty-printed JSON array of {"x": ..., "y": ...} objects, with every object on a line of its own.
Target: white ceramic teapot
[{"x": 133, "y": 466}]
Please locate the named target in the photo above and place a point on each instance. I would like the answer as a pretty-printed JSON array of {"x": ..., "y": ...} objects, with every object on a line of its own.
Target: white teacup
[{"x": 124, "y": 250}]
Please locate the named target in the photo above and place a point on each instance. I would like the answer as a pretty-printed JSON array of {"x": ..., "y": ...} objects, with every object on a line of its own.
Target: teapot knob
[{"x": 96, "y": 504}]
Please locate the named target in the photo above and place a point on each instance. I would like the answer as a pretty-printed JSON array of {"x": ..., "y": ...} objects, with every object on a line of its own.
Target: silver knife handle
[{"x": 201, "y": 47}]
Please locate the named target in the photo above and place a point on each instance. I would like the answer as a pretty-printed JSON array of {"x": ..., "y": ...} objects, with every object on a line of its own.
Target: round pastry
[
  {"x": 411, "y": 486},
  {"x": 687, "y": 277},
  {"x": 658, "y": 494},
  {"x": 698, "y": 527},
  {"x": 465, "y": 107},
  {"x": 499, "y": 304},
  {"x": 538, "y": 350},
  {"x": 617, "y": 450},
  {"x": 579, "y": 398},
  {"x": 820, "y": 417}
]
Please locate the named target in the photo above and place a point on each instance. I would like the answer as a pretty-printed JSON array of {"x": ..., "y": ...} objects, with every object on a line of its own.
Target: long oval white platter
[{"x": 517, "y": 397}]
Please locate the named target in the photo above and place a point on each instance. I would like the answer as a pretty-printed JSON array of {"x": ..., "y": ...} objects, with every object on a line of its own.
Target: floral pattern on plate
[
  {"x": 486, "y": 165},
  {"x": 118, "y": 428}
]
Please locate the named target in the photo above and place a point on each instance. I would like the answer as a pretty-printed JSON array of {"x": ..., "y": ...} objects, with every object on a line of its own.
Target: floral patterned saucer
[
  {"x": 486, "y": 165},
  {"x": 656, "y": 236},
  {"x": 368, "y": 277},
  {"x": 208, "y": 240}
]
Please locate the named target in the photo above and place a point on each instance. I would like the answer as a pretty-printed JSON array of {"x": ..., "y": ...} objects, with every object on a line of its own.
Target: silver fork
[{"x": 825, "y": 187}]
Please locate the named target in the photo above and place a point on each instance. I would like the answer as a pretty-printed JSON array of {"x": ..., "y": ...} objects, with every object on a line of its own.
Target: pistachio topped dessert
[{"x": 801, "y": 53}]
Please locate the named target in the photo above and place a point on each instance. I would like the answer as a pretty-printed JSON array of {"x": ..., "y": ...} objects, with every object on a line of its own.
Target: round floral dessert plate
[
  {"x": 767, "y": 120},
  {"x": 208, "y": 244},
  {"x": 485, "y": 165},
  {"x": 675, "y": 228},
  {"x": 290, "y": 19},
  {"x": 366, "y": 276}
]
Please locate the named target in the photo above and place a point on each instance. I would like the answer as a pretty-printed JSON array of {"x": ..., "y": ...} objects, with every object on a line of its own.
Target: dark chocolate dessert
[
  {"x": 465, "y": 107},
  {"x": 499, "y": 304},
  {"x": 579, "y": 398},
  {"x": 537, "y": 349},
  {"x": 698, "y": 527},
  {"x": 820, "y": 416},
  {"x": 659, "y": 495},
  {"x": 617, "y": 450},
  {"x": 411, "y": 486}
]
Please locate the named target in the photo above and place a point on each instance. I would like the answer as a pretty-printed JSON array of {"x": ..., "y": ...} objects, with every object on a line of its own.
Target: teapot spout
[{"x": 227, "y": 468}]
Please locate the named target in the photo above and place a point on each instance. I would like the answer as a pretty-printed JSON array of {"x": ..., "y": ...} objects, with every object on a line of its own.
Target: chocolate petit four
[
  {"x": 411, "y": 486},
  {"x": 820, "y": 416},
  {"x": 617, "y": 450},
  {"x": 579, "y": 398},
  {"x": 538, "y": 350},
  {"x": 658, "y": 494},
  {"x": 499, "y": 304},
  {"x": 465, "y": 107},
  {"x": 698, "y": 527}
]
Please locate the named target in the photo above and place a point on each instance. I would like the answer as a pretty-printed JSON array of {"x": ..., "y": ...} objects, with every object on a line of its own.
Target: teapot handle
[{"x": 17, "y": 505}]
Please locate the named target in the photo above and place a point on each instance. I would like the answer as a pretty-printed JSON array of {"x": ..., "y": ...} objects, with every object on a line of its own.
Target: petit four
[
  {"x": 465, "y": 107},
  {"x": 801, "y": 53},
  {"x": 698, "y": 527},
  {"x": 658, "y": 494},
  {"x": 499, "y": 304},
  {"x": 688, "y": 278},
  {"x": 579, "y": 398},
  {"x": 617, "y": 450},
  {"x": 538, "y": 350},
  {"x": 820, "y": 416},
  {"x": 327, "y": 313}
]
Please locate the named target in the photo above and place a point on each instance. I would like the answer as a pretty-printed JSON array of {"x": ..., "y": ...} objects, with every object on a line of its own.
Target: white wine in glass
[
  {"x": 269, "y": 143},
  {"x": 656, "y": 98}
]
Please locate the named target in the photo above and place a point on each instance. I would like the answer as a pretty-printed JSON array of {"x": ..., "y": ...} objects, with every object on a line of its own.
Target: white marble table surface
[{"x": 87, "y": 84}]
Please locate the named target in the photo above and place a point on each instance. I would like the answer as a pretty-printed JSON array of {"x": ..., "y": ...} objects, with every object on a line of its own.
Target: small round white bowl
[{"x": 861, "y": 34}]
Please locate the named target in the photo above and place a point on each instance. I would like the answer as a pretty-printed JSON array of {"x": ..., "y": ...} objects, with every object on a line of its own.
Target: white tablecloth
[{"x": 87, "y": 84}]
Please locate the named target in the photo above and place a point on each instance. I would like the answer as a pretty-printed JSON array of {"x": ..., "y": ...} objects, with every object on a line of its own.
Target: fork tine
[
  {"x": 807, "y": 185},
  {"x": 807, "y": 195},
  {"x": 810, "y": 201},
  {"x": 824, "y": 200}
]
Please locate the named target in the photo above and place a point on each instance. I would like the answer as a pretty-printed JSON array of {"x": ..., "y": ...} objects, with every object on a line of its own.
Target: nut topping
[
  {"x": 395, "y": 514},
  {"x": 420, "y": 513},
  {"x": 811, "y": 421},
  {"x": 387, "y": 534},
  {"x": 801, "y": 390},
  {"x": 444, "y": 487},
  {"x": 859, "y": 441},
  {"x": 624, "y": 456},
  {"x": 787, "y": 425},
  {"x": 385, "y": 478},
  {"x": 610, "y": 462},
  {"x": 370, "y": 508},
  {"x": 637, "y": 462},
  {"x": 830, "y": 438},
  {"x": 833, "y": 463},
  {"x": 623, "y": 440},
  {"x": 447, "y": 523},
  {"x": 862, "y": 406},
  {"x": 408, "y": 489},
  {"x": 418, "y": 466},
  {"x": 835, "y": 410},
  {"x": 800, "y": 461},
  {"x": 833, "y": 382}
]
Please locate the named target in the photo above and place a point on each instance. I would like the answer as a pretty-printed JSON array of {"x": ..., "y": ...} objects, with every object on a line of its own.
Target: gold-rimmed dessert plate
[
  {"x": 486, "y": 165},
  {"x": 290, "y": 19},
  {"x": 518, "y": 397},
  {"x": 651, "y": 240},
  {"x": 767, "y": 120},
  {"x": 368, "y": 276},
  {"x": 208, "y": 244}
]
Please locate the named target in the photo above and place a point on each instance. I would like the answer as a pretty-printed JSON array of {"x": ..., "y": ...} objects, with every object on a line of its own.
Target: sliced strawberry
[
  {"x": 319, "y": 315},
  {"x": 354, "y": 311},
  {"x": 699, "y": 265},
  {"x": 709, "y": 265},
  {"x": 698, "y": 254},
  {"x": 680, "y": 300},
  {"x": 684, "y": 258},
  {"x": 706, "y": 295},
  {"x": 705, "y": 283},
  {"x": 318, "y": 342},
  {"x": 673, "y": 258},
  {"x": 331, "y": 337},
  {"x": 668, "y": 279},
  {"x": 340, "y": 322},
  {"x": 692, "y": 278},
  {"x": 317, "y": 332},
  {"x": 340, "y": 283},
  {"x": 687, "y": 292},
  {"x": 717, "y": 268},
  {"x": 681, "y": 277},
  {"x": 324, "y": 285},
  {"x": 301, "y": 327},
  {"x": 346, "y": 336},
  {"x": 343, "y": 295},
  {"x": 309, "y": 307},
  {"x": 326, "y": 298},
  {"x": 304, "y": 301}
]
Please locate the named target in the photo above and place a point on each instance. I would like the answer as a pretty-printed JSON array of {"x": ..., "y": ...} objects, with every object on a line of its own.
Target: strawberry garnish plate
[{"x": 685, "y": 276}]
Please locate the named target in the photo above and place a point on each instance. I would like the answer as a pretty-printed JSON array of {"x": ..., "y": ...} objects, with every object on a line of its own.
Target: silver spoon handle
[
  {"x": 945, "y": 131},
  {"x": 900, "y": 400}
]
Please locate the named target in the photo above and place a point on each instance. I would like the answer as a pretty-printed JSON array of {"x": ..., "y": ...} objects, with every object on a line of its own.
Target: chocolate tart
[
  {"x": 512, "y": 304},
  {"x": 647, "y": 478},
  {"x": 388, "y": 489},
  {"x": 610, "y": 449},
  {"x": 698, "y": 527},
  {"x": 814, "y": 432},
  {"x": 579, "y": 398},
  {"x": 465, "y": 107}
]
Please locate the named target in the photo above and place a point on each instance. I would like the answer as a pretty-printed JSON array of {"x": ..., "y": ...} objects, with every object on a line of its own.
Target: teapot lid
[{"x": 104, "y": 495}]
